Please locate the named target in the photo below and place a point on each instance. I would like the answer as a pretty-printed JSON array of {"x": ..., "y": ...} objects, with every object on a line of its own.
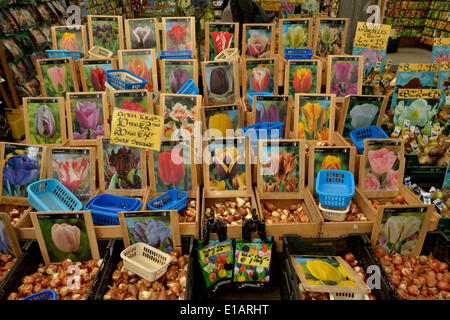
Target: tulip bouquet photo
[
  {"x": 280, "y": 168},
  {"x": 258, "y": 41},
  {"x": 260, "y": 76},
  {"x": 106, "y": 32},
  {"x": 177, "y": 34},
  {"x": 22, "y": 166},
  {"x": 227, "y": 170},
  {"x": 219, "y": 82},
  {"x": 70, "y": 38},
  {"x": 87, "y": 116},
  {"x": 141, "y": 63},
  {"x": 221, "y": 36},
  {"x": 382, "y": 162},
  {"x": 330, "y": 37},
  {"x": 44, "y": 121},
  {"x": 142, "y": 34},
  {"x": 176, "y": 73},
  {"x": 137, "y": 101},
  {"x": 303, "y": 77},
  {"x": 345, "y": 76},
  {"x": 56, "y": 77},
  {"x": 95, "y": 75},
  {"x": 180, "y": 113},
  {"x": 313, "y": 118},
  {"x": 363, "y": 111}
]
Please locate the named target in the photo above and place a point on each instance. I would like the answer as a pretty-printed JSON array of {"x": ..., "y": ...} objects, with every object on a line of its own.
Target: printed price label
[
  {"x": 397, "y": 131},
  {"x": 371, "y": 36},
  {"x": 254, "y": 259},
  {"x": 407, "y": 181},
  {"x": 406, "y": 123},
  {"x": 414, "y": 146},
  {"x": 417, "y": 131},
  {"x": 418, "y": 67},
  {"x": 441, "y": 42},
  {"x": 426, "y": 197},
  {"x": 205, "y": 253}
]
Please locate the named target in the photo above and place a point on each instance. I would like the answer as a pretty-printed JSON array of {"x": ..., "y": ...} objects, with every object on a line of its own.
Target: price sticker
[
  {"x": 406, "y": 123},
  {"x": 254, "y": 259}
]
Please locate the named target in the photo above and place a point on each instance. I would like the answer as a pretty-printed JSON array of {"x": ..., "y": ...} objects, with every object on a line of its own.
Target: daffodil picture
[
  {"x": 363, "y": 111},
  {"x": 280, "y": 168},
  {"x": 220, "y": 119}
]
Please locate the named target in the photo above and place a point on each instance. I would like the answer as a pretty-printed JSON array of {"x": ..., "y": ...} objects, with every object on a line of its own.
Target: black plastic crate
[
  {"x": 356, "y": 244},
  {"x": 28, "y": 262},
  {"x": 113, "y": 258},
  {"x": 435, "y": 243}
]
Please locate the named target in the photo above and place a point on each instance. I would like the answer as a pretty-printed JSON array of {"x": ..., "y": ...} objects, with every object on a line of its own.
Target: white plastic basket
[
  {"x": 334, "y": 215},
  {"x": 145, "y": 261},
  {"x": 97, "y": 52},
  {"x": 349, "y": 296}
]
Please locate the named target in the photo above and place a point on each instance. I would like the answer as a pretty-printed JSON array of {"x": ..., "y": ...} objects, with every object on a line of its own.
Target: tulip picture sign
[
  {"x": 171, "y": 167},
  {"x": 44, "y": 121},
  {"x": 93, "y": 73},
  {"x": 70, "y": 38},
  {"x": 295, "y": 34},
  {"x": 441, "y": 50},
  {"x": 141, "y": 62},
  {"x": 21, "y": 165},
  {"x": 258, "y": 40},
  {"x": 259, "y": 76},
  {"x": 361, "y": 111},
  {"x": 272, "y": 109},
  {"x": 142, "y": 34},
  {"x": 158, "y": 229},
  {"x": 344, "y": 75},
  {"x": 220, "y": 36},
  {"x": 87, "y": 118},
  {"x": 132, "y": 100},
  {"x": 175, "y": 73},
  {"x": 218, "y": 121},
  {"x": 382, "y": 167},
  {"x": 106, "y": 32},
  {"x": 401, "y": 229},
  {"x": 302, "y": 76},
  {"x": 220, "y": 82},
  {"x": 178, "y": 33},
  {"x": 56, "y": 76},
  {"x": 330, "y": 35},
  {"x": 65, "y": 235},
  {"x": 75, "y": 169},
  {"x": 8, "y": 239}
]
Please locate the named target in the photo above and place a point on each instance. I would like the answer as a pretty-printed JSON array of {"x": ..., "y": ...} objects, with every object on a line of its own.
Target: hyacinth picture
[
  {"x": 258, "y": 41},
  {"x": 180, "y": 113},
  {"x": 142, "y": 34},
  {"x": 152, "y": 228},
  {"x": 106, "y": 32},
  {"x": 303, "y": 76},
  {"x": 345, "y": 75},
  {"x": 132, "y": 100},
  {"x": 73, "y": 168},
  {"x": 94, "y": 72},
  {"x": 172, "y": 166},
  {"x": 86, "y": 116},
  {"x": 312, "y": 117},
  {"x": 121, "y": 166},
  {"x": 295, "y": 34},
  {"x": 177, "y": 72},
  {"x": 178, "y": 34},
  {"x": 141, "y": 63},
  {"x": 259, "y": 76},
  {"x": 69, "y": 38},
  {"x": 22, "y": 165},
  {"x": 400, "y": 230},
  {"x": 44, "y": 123},
  {"x": 420, "y": 113},
  {"x": 382, "y": 165},
  {"x": 329, "y": 37},
  {"x": 56, "y": 76},
  {"x": 220, "y": 119},
  {"x": 221, "y": 36},
  {"x": 219, "y": 82},
  {"x": 363, "y": 111},
  {"x": 280, "y": 167},
  {"x": 271, "y": 109}
]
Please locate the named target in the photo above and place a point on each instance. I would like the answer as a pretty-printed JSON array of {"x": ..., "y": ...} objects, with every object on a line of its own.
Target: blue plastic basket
[
  {"x": 251, "y": 94},
  {"x": 75, "y": 55},
  {"x": 335, "y": 188},
  {"x": 114, "y": 80},
  {"x": 171, "y": 200},
  {"x": 43, "y": 295},
  {"x": 51, "y": 195},
  {"x": 298, "y": 54},
  {"x": 189, "y": 87},
  {"x": 176, "y": 54},
  {"x": 263, "y": 130},
  {"x": 104, "y": 208},
  {"x": 371, "y": 132}
]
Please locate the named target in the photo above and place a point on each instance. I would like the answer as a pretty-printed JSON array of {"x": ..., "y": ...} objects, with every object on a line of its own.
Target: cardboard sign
[
  {"x": 136, "y": 129},
  {"x": 372, "y": 36}
]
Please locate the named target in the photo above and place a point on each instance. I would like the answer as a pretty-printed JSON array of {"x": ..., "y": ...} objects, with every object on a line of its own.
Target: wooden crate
[
  {"x": 24, "y": 220},
  {"x": 324, "y": 68}
]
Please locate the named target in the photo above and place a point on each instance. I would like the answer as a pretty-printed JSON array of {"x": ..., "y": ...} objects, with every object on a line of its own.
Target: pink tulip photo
[
  {"x": 66, "y": 237},
  {"x": 381, "y": 161}
]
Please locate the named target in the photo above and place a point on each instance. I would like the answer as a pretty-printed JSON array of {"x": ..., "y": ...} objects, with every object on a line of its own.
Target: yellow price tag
[
  {"x": 136, "y": 129},
  {"x": 445, "y": 66},
  {"x": 418, "y": 67},
  {"x": 205, "y": 253},
  {"x": 371, "y": 36},
  {"x": 419, "y": 93},
  {"x": 271, "y": 5},
  {"x": 441, "y": 42},
  {"x": 254, "y": 259}
]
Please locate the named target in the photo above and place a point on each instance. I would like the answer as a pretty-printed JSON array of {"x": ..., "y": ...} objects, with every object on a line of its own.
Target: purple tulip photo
[
  {"x": 177, "y": 78},
  {"x": 19, "y": 171}
]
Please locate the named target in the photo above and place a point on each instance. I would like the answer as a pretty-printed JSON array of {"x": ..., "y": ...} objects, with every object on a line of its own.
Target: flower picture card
[
  {"x": 142, "y": 34},
  {"x": 180, "y": 111},
  {"x": 87, "y": 118},
  {"x": 178, "y": 33},
  {"x": 222, "y": 121},
  {"x": 70, "y": 38},
  {"x": 444, "y": 86},
  {"x": 133, "y": 100},
  {"x": 159, "y": 229},
  {"x": 75, "y": 169},
  {"x": 141, "y": 62},
  {"x": 330, "y": 35},
  {"x": 106, "y": 32},
  {"x": 22, "y": 165},
  {"x": 9, "y": 244},
  {"x": 361, "y": 111},
  {"x": 401, "y": 229},
  {"x": 44, "y": 121},
  {"x": 258, "y": 75},
  {"x": 441, "y": 50},
  {"x": 314, "y": 116},
  {"x": 252, "y": 262},
  {"x": 93, "y": 73},
  {"x": 295, "y": 34},
  {"x": 281, "y": 167},
  {"x": 56, "y": 76},
  {"x": 65, "y": 235},
  {"x": 382, "y": 167},
  {"x": 344, "y": 75},
  {"x": 122, "y": 169},
  {"x": 175, "y": 73},
  {"x": 302, "y": 76},
  {"x": 258, "y": 40},
  {"x": 171, "y": 167},
  {"x": 220, "y": 36},
  {"x": 272, "y": 109},
  {"x": 220, "y": 82}
]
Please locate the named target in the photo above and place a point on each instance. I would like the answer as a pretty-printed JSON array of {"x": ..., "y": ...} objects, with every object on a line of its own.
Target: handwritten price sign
[
  {"x": 419, "y": 93},
  {"x": 215, "y": 250},
  {"x": 136, "y": 129},
  {"x": 253, "y": 259},
  {"x": 441, "y": 42},
  {"x": 445, "y": 66},
  {"x": 418, "y": 67},
  {"x": 372, "y": 36}
]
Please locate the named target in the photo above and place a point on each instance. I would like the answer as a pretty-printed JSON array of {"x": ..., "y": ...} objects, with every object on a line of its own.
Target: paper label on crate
[
  {"x": 434, "y": 132},
  {"x": 215, "y": 250},
  {"x": 436, "y": 125},
  {"x": 136, "y": 129},
  {"x": 432, "y": 189},
  {"x": 408, "y": 181},
  {"x": 425, "y": 139},
  {"x": 414, "y": 146},
  {"x": 371, "y": 36},
  {"x": 412, "y": 128},
  {"x": 425, "y": 197},
  {"x": 439, "y": 204},
  {"x": 397, "y": 131},
  {"x": 406, "y": 123},
  {"x": 254, "y": 259}
]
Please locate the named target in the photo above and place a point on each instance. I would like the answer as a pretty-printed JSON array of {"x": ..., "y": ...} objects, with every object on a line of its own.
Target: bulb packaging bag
[{"x": 252, "y": 262}]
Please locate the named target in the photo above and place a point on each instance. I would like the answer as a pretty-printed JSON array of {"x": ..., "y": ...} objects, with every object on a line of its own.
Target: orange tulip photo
[{"x": 302, "y": 78}]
